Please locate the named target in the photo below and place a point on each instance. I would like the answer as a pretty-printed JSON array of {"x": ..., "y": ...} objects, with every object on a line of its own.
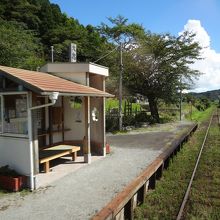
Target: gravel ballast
[{"x": 79, "y": 195}]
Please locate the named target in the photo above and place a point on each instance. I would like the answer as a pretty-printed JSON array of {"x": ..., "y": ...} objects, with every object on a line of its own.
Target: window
[{"x": 14, "y": 117}]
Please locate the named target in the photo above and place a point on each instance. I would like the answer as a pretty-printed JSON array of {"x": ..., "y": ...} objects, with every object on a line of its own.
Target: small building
[{"x": 47, "y": 114}]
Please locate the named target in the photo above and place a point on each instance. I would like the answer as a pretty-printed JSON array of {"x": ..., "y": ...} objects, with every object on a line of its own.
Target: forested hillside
[
  {"x": 28, "y": 28},
  {"x": 212, "y": 95}
]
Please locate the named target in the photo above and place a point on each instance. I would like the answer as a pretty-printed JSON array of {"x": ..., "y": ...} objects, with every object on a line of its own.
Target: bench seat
[{"x": 51, "y": 153}]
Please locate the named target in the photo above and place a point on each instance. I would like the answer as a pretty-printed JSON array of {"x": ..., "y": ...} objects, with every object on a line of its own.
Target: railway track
[
  {"x": 214, "y": 121},
  {"x": 123, "y": 205}
]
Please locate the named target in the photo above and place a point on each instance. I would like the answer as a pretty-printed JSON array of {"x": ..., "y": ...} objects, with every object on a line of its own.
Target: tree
[
  {"x": 160, "y": 67},
  {"x": 19, "y": 47},
  {"x": 124, "y": 35},
  {"x": 121, "y": 32},
  {"x": 52, "y": 27}
]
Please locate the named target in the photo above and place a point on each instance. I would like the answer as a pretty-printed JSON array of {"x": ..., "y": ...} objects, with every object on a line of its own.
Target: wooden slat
[{"x": 57, "y": 152}]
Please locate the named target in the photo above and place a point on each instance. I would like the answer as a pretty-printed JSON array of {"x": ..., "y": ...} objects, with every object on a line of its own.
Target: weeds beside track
[
  {"x": 164, "y": 202},
  {"x": 204, "y": 198}
]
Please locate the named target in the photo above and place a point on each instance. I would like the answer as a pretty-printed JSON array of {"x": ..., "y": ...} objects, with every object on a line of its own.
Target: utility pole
[
  {"x": 180, "y": 99},
  {"x": 190, "y": 112},
  {"x": 52, "y": 50},
  {"x": 120, "y": 88}
]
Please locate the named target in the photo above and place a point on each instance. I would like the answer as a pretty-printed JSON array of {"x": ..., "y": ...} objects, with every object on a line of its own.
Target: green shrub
[
  {"x": 141, "y": 117},
  {"x": 7, "y": 171},
  {"x": 112, "y": 124},
  {"x": 128, "y": 120},
  {"x": 202, "y": 104},
  {"x": 144, "y": 117}
]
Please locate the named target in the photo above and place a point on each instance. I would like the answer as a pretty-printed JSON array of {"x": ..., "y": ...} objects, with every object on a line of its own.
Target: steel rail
[{"x": 180, "y": 213}]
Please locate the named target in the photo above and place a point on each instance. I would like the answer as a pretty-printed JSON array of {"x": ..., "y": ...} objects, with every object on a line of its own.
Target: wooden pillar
[
  {"x": 63, "y": 136},
  {"x": 152, "y": 182},
  {"x": 50, "y": 126},
  {"x": 166, "y": 163},
  {"x": 103, "y": 128},
  {"x": 103, "y": 116},
  {"x": 128, "y": 209},
  {"x": 141, "y": 194},
  {"x": 159, "y": 172},
  {"x": 87, "y": 147}
]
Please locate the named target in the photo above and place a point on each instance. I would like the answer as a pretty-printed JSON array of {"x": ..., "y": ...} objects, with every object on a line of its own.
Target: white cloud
[{"x": 210, "y": 65}]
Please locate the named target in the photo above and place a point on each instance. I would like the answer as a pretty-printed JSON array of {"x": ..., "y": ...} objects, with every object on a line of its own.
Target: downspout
[{"x": 53, "y": 97}]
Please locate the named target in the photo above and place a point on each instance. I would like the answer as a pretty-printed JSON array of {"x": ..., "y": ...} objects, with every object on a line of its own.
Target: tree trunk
[{"x": 154, "y": 109}]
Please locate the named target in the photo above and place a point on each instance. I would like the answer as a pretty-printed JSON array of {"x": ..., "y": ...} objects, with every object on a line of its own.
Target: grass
[
  {"x": 22, "y": 193},
  {"x": 196, "y": 114},
  {"x": 114, "y": 103},
  {"x": 204, "y": 200},
  {"x": 1, "y": 192},
  {"x": 163, "y": 203}
]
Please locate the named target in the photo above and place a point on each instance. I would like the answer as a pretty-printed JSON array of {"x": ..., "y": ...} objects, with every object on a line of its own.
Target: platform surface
[{"x": 81, "y": 194}]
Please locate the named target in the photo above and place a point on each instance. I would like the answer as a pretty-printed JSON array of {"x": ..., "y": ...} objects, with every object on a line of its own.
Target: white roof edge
[
  {"x": 79, "y": 67},
  {"x": 108, "y": 95},
  {"x": 95, "y": 64}
]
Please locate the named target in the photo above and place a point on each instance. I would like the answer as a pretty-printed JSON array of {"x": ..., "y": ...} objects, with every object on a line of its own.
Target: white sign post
[{"x": 72, "y": 53}]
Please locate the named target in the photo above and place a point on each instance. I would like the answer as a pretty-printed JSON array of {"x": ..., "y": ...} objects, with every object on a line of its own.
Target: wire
[{"x": 107, "y": 54}]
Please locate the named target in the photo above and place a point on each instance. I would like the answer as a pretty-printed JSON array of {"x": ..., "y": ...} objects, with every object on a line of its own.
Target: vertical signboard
[{"x": 72, "y": 53}]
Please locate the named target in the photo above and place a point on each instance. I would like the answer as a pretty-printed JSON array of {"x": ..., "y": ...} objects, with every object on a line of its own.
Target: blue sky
[
  {"x": 162, "y": 16},
  {"x": 155, "y": 15}
]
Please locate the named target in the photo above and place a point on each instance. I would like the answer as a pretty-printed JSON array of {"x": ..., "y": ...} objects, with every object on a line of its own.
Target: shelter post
[{"x": 87, "y": 147}]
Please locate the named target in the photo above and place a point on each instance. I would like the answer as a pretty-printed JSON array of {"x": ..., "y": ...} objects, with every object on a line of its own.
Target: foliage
[
  {"x": 199, "y": 115},
  {"x": 211, "y": 95},
  {"x": 52, "y": 27},
  {"x": 205, "y": 187},
  {"x": 19, "y": 47},
  {"x": 142, "y": 117},
  {"x": 7, "y": 171},
  {"x": 202, "y": 103},
  {"x": 159, "y": 67},
  {"x": 121, "y": 32},
  {"x": 111, "y": 124},
  {"x": 129, "y": 120},
  {"x": 112, "y": 103}
]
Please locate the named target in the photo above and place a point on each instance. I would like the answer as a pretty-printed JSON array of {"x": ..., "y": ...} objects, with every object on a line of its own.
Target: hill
[
  {"x": 212, "y": 95},
  {"x": 28, "y": 29}
]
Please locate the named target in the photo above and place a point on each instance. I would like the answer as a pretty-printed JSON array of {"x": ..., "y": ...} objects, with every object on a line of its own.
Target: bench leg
[
  {"x": 46, "y": 167},
  {"x": 74, "y": 156}
]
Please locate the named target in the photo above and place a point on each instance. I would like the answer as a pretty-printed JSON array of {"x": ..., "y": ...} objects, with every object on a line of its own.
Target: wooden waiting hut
[{"x": 48, "y": 114}]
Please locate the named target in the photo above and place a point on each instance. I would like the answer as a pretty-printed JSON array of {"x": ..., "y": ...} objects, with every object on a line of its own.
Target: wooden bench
[{"x": 51, "y": 153}]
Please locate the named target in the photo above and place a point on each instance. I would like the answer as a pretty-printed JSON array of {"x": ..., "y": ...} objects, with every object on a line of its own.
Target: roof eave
[{"x": 107, "y": 95}]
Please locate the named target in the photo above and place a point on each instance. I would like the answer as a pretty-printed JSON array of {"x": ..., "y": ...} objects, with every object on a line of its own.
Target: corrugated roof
[{"x": 43, "y": 82}]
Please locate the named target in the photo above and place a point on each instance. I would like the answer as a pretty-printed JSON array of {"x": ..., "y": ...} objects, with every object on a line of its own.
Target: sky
[{"x": 162, "y": 16}]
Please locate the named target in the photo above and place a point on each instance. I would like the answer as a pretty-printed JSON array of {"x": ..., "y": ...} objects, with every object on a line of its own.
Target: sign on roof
[{"x": 73, "y": 53}]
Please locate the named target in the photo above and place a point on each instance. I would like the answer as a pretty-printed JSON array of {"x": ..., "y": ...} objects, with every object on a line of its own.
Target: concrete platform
[
  {"x": 60, "y": 168},
  {"x": 82, "y": 193}
]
